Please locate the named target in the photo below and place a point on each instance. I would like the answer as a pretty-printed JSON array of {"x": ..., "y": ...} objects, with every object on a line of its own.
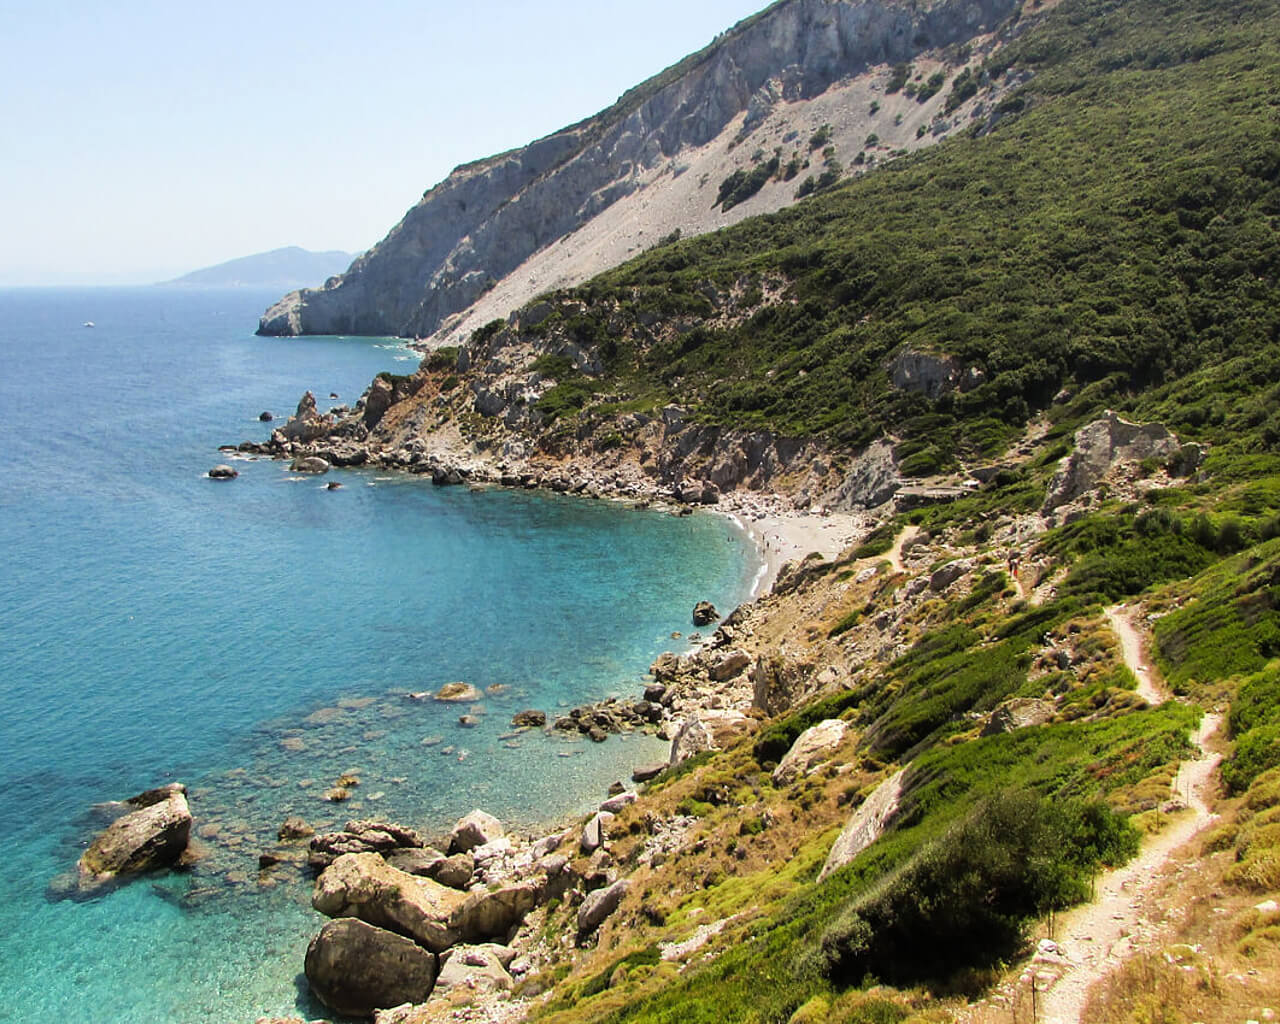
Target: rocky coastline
[{"x": 807, "y": 512}]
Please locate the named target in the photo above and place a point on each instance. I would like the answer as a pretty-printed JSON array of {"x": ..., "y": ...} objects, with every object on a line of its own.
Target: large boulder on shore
[
  {"x": 811, "y": 748},
  {"x": 363, "y": 885},
  {"x": 355, "y": 968},
  {"x": 153, "y": 836},
  {"x": 476, "y": 829}
]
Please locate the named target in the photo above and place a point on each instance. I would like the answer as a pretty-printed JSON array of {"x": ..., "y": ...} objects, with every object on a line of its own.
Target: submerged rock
[
  {"x": 458, "y": 693},
  {"x": 356, "y": 968}
]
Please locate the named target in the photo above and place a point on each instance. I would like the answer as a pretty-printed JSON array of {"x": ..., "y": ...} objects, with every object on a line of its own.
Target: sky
[{"x": 142, "y": 139}]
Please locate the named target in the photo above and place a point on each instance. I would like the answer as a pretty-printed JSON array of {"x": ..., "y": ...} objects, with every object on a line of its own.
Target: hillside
[
  {"x": 289, "y": 267},
  {"x": 1036, "y": 367},
  {"x": 497, "y": 232}
]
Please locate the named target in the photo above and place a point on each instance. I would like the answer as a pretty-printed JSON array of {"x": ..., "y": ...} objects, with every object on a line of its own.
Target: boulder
[
  {"x": 355, "y": 968},
  {"x": 363, "y": 885},
  {"x": 647, "y": 772},
  {"x": 654, "y": 692},
  {"x": 309, "y": 464},
  {"x": 811, "y": 748},
  {"x": 692, "y": 737},
  {"x": 615, "y": 804},
  {"x": 1018, "y": 713},
  {"x": 153, "y": 836},
  {"x": 529, "y": 719},
  {"x": 361, "y": 837},
  {"x": 480, "y": 968},
  {"x": 414, "y": 861},
  {"x": 705, "y": 614},
  {"x": 730, "y": 665},
  {"x": 458, "y": 693},
  {"x": 455, "y": 871},
  {"x": 494, "y": 913},
  {"x": 593, "y": 833},
  {"x": 265, "y": 417},
  {"x": 600, "y": 904},
  {"x": 476, "y": 829},
  {"x": 948, "y": 574},
  {"x": 223, "y": 472}
]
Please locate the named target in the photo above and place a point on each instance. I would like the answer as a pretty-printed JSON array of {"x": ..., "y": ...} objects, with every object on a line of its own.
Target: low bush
[{"x": 966, "y": 899}]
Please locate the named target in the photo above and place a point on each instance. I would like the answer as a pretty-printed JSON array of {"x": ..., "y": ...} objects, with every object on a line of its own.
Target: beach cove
[{"x": 256, "y": 639}]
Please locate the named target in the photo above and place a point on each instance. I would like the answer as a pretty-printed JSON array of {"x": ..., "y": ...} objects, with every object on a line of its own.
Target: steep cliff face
[{"x": 486, "y": 219}]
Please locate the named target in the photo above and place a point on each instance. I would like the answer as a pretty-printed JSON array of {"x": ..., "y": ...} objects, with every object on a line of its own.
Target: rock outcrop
[
  {"x": 866, "y": 825},
  {"x": 487, "y": 218},
  {"x": 1104, "y": 443},
  {"x": 152, "y": 836}
]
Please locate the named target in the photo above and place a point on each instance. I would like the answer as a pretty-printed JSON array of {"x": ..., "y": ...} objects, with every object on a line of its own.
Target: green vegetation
[
  {"x": 899, "y": 77},
  {"x": 966, "y": 899},
  {"x": 1108, "y": 239},
  {"x": 446, "y": 358},
  {"x": 741, "y": 185}
]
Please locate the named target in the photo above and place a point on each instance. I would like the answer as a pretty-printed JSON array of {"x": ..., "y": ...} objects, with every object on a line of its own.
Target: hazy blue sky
[{"x": 140, "y": 139}]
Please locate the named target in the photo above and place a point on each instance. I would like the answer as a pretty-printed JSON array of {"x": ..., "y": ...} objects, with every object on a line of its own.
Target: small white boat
[{"x": 89, "y": 323}]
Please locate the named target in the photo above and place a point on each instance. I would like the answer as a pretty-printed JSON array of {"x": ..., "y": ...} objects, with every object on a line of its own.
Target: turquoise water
[{"x": 256, "y": 639}]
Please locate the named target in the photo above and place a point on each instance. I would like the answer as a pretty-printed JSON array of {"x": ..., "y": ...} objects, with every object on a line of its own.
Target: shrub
[
  {"x": 820, "y": 137},
  {"x": 898, "y": 77},
  {"x": 482, "y": 334},
  {"x": 1256, "y": 751},
  {"x": 966, "y": 899},
  {"x": 442, "y": 359}
]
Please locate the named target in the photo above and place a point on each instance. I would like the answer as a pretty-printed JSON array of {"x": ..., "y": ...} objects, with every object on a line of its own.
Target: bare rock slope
[{"x": 499, "y": 231}]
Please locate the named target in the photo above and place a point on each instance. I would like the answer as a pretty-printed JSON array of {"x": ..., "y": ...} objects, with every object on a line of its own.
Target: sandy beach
[{"x": 783, "y": 537}]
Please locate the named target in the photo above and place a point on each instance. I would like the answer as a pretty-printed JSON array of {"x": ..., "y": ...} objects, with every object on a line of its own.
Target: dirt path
[
  {"x": 894, "y": 554},
  {"x": 1151, "y": 686},
  {"x": 1094, "y": 939}
]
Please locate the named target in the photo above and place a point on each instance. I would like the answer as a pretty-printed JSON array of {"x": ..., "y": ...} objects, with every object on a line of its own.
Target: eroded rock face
[
  {"x": 487, "y": 218},
  {"x": 355, "y": 968},
  {"x": 812, "y": 747},
  {"x": 154, "y": 836},
  {"x": 866, "y": 825},
  {"x": 365, "y": 886}
]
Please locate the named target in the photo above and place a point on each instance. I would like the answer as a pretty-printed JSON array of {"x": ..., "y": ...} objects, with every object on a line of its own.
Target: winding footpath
[{"x": 1096, "y": 938}]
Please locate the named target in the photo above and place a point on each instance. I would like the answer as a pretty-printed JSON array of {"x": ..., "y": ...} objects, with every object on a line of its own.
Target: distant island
[{"x": 290, "y": 267}]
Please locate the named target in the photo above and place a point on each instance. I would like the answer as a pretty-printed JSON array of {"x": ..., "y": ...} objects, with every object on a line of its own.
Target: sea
[{"x": 258, "y": 638}]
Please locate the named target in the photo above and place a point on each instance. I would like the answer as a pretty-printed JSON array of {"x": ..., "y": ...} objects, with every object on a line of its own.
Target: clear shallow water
[{"x": 255, "y": 639}]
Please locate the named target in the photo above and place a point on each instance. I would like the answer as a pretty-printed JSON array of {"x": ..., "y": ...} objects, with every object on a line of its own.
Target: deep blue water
[{"x": 255, "y": 639}]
